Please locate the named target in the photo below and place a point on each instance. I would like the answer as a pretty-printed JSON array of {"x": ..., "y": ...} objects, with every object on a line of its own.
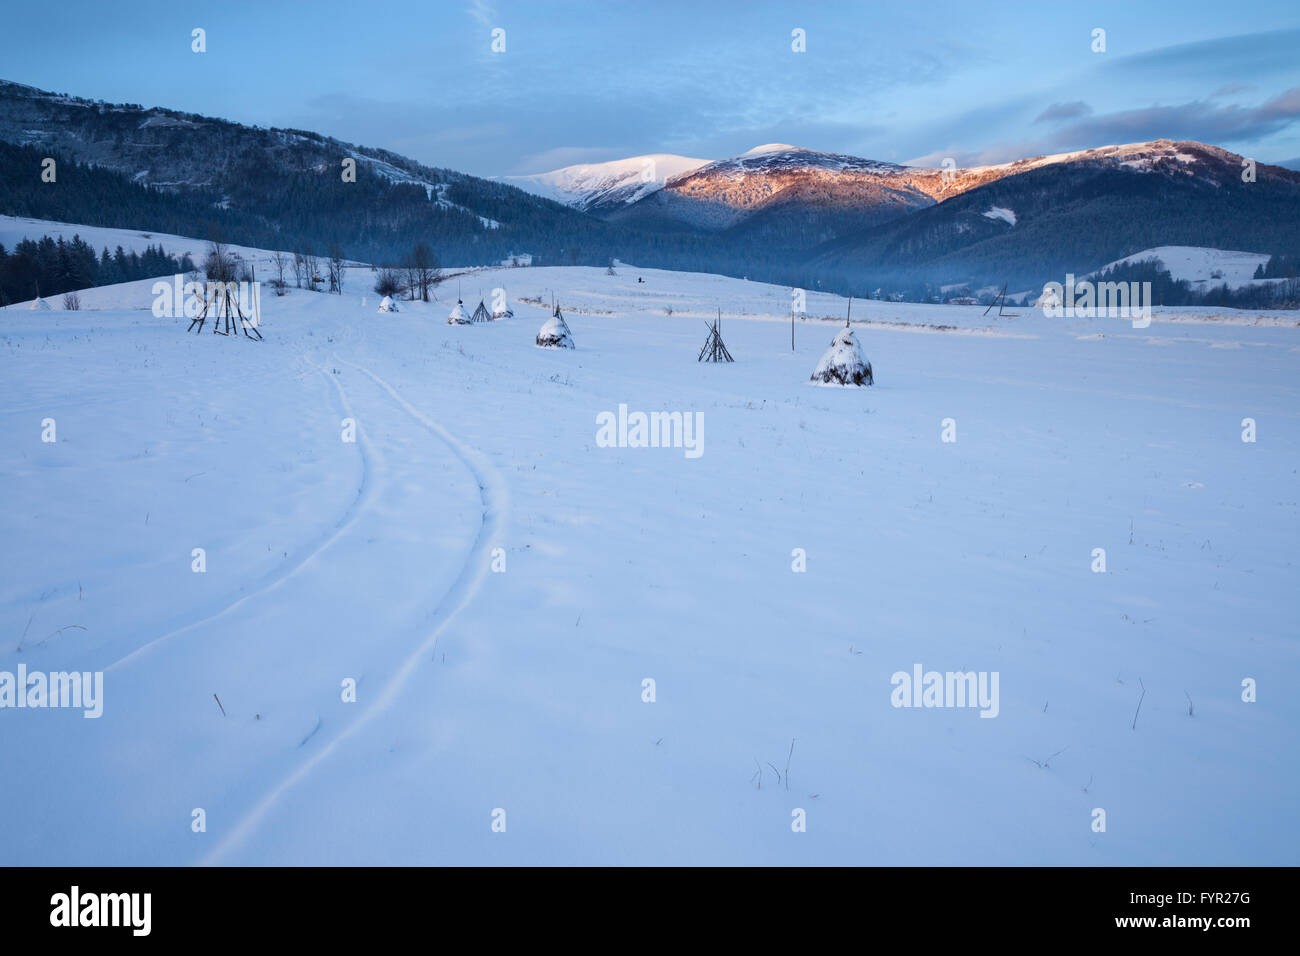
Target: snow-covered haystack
[
  {"x": 502, "y": 311},
  {"x": 458, "y": 316},
  {"x": 555, "y": 333},
  {"x": 843, "y": 363},
  {"x": 1050, "y": 299},
  {"x": 40, "y": 304},
  {"x": 387, "y": 304}
]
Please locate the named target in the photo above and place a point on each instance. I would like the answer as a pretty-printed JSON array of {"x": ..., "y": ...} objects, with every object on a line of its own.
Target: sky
[{"x": 577, "y": 82}]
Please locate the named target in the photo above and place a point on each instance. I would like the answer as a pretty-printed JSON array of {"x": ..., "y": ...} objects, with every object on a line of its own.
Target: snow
[
  {"x": 1049, "y": 298},
  {"x": 554, "y": 333},
  {"x": 163, "y": 121},
  {"x": 386, "y": 304},
  {"x": 1142, "y": 157},
  {"x": 1199, "y": 265},
  {"x": 767, "y": 148},
  {"x": 13, "y": 229},
  {"x": 1001, "y": 212},
  {"x": 843, "y": 363},
  {"x": 620, "y": 181},
  {"x": 372, "y": 560}
]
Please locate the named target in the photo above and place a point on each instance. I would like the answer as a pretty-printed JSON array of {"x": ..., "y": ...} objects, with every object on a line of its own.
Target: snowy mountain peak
[
  {"x": 780, "y": 156},
  {"x": 773, "y": 148},
  {"x": 591, "y": 186}
]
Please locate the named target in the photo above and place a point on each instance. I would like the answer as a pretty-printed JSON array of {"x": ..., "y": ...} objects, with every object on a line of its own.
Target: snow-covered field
[{"x": 480, "y": 690}]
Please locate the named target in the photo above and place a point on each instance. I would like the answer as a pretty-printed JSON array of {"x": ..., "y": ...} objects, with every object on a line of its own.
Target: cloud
[
  {"x": 1064, "y": 111},
  {"x": 1228, "y": 89},
  {"x": 1200, "y": 120},
  {"x": 482, "y": 12},
  {"x": 1247, "y": 54}
]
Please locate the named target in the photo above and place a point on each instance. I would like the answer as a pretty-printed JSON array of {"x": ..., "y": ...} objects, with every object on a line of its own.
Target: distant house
[
  {"x": 963, "y": 300},
  {"x": 515, "y": 260}
]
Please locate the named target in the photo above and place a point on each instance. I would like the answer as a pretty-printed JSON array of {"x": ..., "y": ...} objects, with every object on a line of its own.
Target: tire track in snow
[
  {"x": 365, "y": 493},
  {"x": 495, "y": 497}
]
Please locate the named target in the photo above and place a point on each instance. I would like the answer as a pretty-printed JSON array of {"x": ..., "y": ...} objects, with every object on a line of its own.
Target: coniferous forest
[{"x": 47, "y": 267}]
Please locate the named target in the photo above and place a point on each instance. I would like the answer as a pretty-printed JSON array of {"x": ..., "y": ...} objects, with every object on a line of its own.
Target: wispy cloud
[
  {"x": 1199, "y": 120},
  {"x": 1063, "y": 111},
  {"x": 1231, "y": 89},
  {"x": 483, "y": 12},
  {"x": 1249, "y": 54}
]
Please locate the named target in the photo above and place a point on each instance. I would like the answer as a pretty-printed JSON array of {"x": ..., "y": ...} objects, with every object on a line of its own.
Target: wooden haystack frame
[
  {"x": 223, "y": 307},
  {"x": 458, "y": 316},
  {"x": 714, "y": 350},
  {"x": 481, "y": 314},
  {"x": 1001, "y": 302},
  {"x": 554, "y": 333}
]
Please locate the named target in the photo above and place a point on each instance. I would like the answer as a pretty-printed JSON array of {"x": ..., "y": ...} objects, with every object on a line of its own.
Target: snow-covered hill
[
  {"x": 13, "y": 229},
  {"x": 726, "y": 192},
  {"x": 627, "y": 654},
  {"x": 596, "y": 186},
  {"x": 1203, "y": 268}
]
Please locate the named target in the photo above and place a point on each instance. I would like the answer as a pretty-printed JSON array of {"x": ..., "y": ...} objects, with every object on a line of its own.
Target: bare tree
[
  {"x": 389, "y": 282},
  {"x": 412, "y": 276},
  {"x": 299, "y": 267},
  {"x": 72, "y": 302},
  {"x": 281, "y": 263},
  {"x": 311, "y": 268},
  {"x": 424, "y": 265},
  {"x": 336, "y": 265},
  {"x": 219, "y": 264}
]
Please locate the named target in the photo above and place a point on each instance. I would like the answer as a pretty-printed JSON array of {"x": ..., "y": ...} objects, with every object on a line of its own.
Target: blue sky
[{"x": 585, "y": 82}]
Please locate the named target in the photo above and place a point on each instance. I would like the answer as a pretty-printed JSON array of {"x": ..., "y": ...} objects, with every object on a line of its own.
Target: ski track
[
  {"x": 365, "y": 493},
  {"x": 494, "y": 494}
]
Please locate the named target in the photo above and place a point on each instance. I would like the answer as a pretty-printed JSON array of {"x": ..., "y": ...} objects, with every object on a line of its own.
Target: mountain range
[{"x": 778, "y": 212}]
